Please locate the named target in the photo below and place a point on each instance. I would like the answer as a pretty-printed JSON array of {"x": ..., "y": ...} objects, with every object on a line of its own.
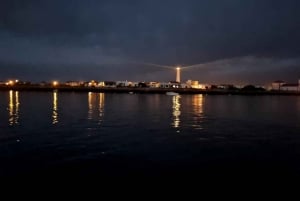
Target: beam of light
[
  {"x": 212, "y": 65},
  {"x": 222, "y": 63},
  {"x": 194, "y": 66},
  {"x": 156, "y": 65},
  {"x": 151, "y": 64},
  {"x": 55, "y": 108},
  {"x": 202, "y": 65}
]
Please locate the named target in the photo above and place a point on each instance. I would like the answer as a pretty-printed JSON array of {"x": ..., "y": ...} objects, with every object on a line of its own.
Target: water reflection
[
  {"x": 13, "y": 108},
  {"x": 101, "y": 107},
  {"x": 90, "y": 102},
  {"x": 95, "y": 100},
  {"x": 197, "y": 103},
  {"x": 55, "y": 108},
  {"x": 176, "y": 111}
]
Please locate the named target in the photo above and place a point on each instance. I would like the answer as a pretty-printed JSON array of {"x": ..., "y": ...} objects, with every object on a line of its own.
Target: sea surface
[{"x": 116, "y": 135}]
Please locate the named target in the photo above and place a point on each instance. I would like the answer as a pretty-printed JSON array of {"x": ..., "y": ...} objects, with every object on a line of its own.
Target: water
[{"x": 56, "y": 133}]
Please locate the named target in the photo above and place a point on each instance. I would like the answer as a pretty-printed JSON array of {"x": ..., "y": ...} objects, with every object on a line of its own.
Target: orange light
[{"x": 55, "y": 83}]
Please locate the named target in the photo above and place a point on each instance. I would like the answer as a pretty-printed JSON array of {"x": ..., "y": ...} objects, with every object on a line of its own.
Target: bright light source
[
  {"x": 16, "y": 81},
  {"x": 178, "y": 74},
  {"x": 55, "y": 83}
]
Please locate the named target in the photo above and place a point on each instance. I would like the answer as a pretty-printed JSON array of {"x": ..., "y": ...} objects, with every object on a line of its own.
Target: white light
[{"x": 178, "y": 74}]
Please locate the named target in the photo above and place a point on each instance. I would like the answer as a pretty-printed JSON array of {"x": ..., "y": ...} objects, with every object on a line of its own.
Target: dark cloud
[{"x": 92, "y": 37}]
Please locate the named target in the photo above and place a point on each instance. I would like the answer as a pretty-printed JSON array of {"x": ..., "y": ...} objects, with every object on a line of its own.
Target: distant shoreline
[{"x": 147, "y": 90}]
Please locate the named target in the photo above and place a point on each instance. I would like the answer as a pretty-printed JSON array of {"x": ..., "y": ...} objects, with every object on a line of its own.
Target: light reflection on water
[
  {"x": 101, "y": 107},
  {"x": 55, "y": 108},
  {"x": 13, "y": 108},
  {"x": 176, "y": 111},
  {"x": 93, "y": 98},
  {"x": 96, "y": 108},
  {"x": 198, "y": 117},
  {"x": 139, "y": 128},
  {"x": 90, "y": 105}
]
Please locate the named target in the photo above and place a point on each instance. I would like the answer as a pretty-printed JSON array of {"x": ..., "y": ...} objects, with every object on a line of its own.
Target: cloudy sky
[{"x": 233, "y": 41}]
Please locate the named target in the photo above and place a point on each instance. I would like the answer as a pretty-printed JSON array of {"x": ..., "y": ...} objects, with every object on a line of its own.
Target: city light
[
  {"x": 55, "y": 83},
  {"x": 10, "y": 82}
]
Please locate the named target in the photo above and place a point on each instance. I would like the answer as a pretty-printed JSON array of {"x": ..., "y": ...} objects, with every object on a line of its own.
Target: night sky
[{"x": 235, "y": 41}]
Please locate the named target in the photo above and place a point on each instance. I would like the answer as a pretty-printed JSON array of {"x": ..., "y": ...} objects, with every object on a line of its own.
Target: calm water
[{"x": 147, "y": 134}]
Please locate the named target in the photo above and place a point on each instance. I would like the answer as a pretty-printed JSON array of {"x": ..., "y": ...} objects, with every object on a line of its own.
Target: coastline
[{"x": 146, "y": 90}]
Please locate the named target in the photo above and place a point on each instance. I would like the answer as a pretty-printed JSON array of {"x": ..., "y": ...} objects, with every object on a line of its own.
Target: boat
[{"x": 171, "y": 93}]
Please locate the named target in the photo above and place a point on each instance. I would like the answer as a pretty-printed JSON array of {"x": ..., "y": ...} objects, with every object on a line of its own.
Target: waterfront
[
  {"x": 108, "y": 134},
  {"x": 149, "y": 90}
]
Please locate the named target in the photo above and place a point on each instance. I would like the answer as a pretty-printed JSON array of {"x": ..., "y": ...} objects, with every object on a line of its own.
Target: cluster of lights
[
  {"x": 92, "y": 83},
  {"x": 11, "y": 82}
]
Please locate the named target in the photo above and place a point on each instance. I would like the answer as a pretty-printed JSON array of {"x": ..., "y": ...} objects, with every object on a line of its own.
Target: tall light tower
[{"x": 178, "y": 74}]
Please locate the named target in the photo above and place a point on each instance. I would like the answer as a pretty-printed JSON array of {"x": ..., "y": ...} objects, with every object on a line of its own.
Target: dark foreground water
[{"x": 107, "y": 135}]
